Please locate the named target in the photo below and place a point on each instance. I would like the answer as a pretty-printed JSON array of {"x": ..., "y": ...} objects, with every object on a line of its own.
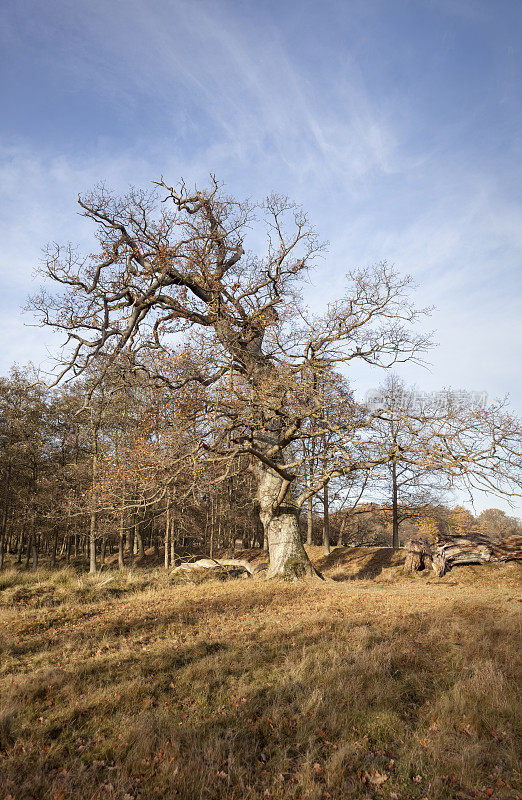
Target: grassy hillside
[{"x": 370, "y": 685}]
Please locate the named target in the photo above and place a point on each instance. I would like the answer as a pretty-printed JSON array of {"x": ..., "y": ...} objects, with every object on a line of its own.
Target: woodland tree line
[
  {"x": 107, "y": 474},
  {"x": 199, "y": 405}
]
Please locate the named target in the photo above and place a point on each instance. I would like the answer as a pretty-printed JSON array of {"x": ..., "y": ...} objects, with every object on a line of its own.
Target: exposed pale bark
[
  {"x": 210, "y": 563},
  {"x": 446, "y": 552},
  {"x": 288, "y": 558},
  {"x": 417, "y": 549}
]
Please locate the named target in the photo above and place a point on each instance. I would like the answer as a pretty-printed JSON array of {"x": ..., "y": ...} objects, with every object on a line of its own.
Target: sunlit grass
[{"x": 125, "y": 686}]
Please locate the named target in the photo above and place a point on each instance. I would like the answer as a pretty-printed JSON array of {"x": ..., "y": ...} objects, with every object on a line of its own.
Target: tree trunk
[
  {"x": 130, "y": 538},
  {"x": 229, "y": 543},
  {"x": 288, "y": 558},
  {"x": 35, "y": 554},
  {"x": 139, "y": 542},
  {"x": 340, "y": 540},
  {"x": 29, "y": 547},
  {"x": 92, "y": 527},
  {"x": 3, "y": 522},
  {"x": 395, "y": 509},
  {"x": 258, "y": 534},
  {"x": 121, "y": 561},
  {"x": 167, "y": 532},
  {"x": 172, "y": 542},
  {"x": 92, "y": 542},
  {"x": 55, "y": 547},
  {"x": 212, "y": 521},
  {"x": 34, "y": 547},
  {"x": 103, "y": 552},
  {"x": 326, "y": 521},
  {"x": 30, "y": 542},
  {"x": 21, "y": 540},
  {"x": 309, "y": 502},
  {"x": 309, "y": 522},
  {"x": 417, "y": 550}
]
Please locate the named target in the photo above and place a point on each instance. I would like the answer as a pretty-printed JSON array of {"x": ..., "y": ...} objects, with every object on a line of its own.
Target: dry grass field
[{"x": 368, "y": 685}]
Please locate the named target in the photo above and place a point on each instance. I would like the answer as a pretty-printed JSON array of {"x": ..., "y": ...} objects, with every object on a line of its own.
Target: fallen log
[
  {"x": 210, "y": 563},
  {"x": 445, "y": 552}
]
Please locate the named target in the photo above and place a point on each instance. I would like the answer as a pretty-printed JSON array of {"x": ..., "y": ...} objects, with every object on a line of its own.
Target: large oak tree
[{"x": 172, "y": 263}]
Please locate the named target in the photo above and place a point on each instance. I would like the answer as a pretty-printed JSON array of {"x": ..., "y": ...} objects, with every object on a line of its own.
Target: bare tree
[
  {"x": 445, "y": 443},
  {"x": 180, "y": 267},
  {"x": 404, "y": 488}
]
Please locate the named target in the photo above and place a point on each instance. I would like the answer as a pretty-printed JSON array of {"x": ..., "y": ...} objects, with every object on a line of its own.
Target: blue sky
[{"x": 396, "y": 123}]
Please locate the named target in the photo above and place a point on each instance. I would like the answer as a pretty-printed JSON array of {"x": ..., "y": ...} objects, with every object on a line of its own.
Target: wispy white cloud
[{"x": 203, "y": 65}]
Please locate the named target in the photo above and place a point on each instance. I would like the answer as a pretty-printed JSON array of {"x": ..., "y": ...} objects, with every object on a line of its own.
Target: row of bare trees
[
  {"x": 93, "y": 470},
  {"x": 98, "y": 472}
]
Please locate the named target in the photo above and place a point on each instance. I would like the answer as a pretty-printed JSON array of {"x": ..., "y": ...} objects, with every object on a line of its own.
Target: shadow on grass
[
  {"x": 273, "y": 707},
  {"x": 229, "y": 713},
  {"x": 351, "y": 563}
]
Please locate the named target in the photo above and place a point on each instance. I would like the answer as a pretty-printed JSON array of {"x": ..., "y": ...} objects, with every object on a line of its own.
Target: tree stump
[{"x": 418, "y": 556}]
